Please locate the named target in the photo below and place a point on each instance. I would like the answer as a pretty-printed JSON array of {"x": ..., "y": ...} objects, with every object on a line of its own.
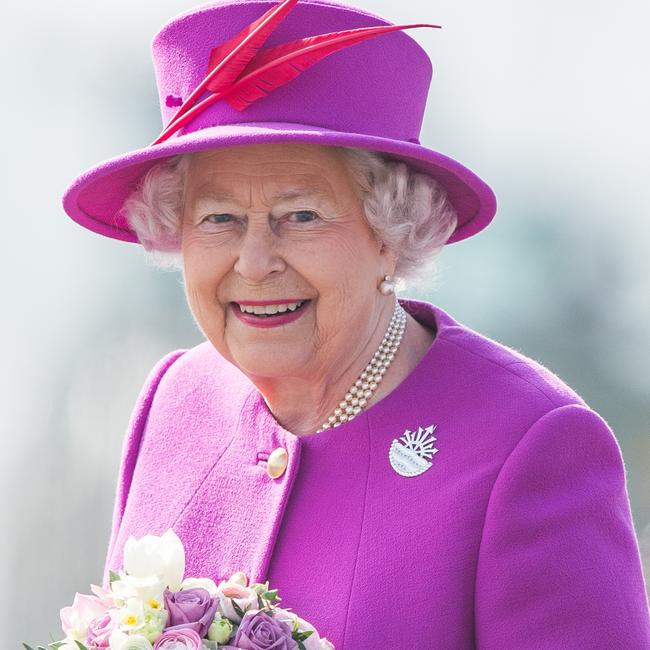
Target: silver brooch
[{"x": 409, "y": 454}]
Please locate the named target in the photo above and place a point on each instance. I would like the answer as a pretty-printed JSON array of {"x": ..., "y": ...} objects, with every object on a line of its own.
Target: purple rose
[
  {"x": 192, "y": 609},
  {"x": 99, "y": 631},
  {"x": 259, "y": 631},
  {"x": 178, "y": 640}
]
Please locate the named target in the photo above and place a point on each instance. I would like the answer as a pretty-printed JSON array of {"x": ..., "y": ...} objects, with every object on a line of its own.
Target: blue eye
[
  {"x": 218, "y": 218},
  {"x": 304, "y": 216}
]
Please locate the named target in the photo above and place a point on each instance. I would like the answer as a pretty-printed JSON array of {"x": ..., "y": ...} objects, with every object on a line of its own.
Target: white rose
[
  {"x": 120, "y": 641},
  {"x": 204, "y": 583}
]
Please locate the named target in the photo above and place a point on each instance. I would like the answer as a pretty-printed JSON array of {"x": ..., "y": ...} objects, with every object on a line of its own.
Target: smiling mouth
[{"x": 273, "y": 310}]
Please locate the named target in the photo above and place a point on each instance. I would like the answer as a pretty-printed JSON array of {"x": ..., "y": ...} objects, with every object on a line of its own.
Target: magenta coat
[{"x": 519, "y": 535}]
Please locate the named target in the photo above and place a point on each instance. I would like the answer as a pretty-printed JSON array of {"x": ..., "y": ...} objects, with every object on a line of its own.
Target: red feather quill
[
  {"x": 276, "y": 66},
  {"x": 229, "y": 59}
]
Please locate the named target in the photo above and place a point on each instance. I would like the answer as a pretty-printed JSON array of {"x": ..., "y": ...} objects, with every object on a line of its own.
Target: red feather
[
  {"x": 229, "y": 59},
  {"x": 276, "y": 66}
]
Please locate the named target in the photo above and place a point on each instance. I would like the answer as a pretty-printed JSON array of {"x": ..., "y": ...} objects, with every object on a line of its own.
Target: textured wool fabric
[{"x": 519, "y": 535}]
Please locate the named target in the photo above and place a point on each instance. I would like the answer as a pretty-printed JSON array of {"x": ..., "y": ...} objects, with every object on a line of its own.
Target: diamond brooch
[{"x": 410, "y": 455}]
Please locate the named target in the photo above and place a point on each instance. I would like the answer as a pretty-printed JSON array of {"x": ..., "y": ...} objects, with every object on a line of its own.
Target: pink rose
[
  {"x": 105, "y": 595},
  {"x": 75, "y": 619},
  {"x": 99, "y": 632},
  {"x": 244, "y": 597},
  {"x": 186, "y": 639}
]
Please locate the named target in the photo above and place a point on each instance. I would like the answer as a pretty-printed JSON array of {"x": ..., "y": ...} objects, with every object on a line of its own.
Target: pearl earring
[{"x": 387, "y": 286}]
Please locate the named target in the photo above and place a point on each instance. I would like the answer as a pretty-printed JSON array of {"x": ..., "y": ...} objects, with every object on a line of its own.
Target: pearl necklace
[{"x": 364, "y": 387}]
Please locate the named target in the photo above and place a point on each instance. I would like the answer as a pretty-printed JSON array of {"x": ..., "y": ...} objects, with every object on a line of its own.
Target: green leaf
[
  {"x": 237, "y": 608},
  {"x": 81, "y": 645},
  {"x": 112, "y": 576},
  {"x": 56, "y": 645},
  {"x": 27, "y": 646},
  {"x": 271, "y": 596}
]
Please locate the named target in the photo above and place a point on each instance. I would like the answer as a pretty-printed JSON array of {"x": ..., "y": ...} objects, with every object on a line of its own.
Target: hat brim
[{"x": 95, "y": 198}]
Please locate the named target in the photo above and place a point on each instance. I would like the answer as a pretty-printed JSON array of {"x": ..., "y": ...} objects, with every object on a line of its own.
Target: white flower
[
  {"x": 245, "y": 597},
  {"x": 205, "y": 583},
  {"x": 148, "y": 589},
  {"x": 120, "y": 641},
  {"x": 131, "y": 617},
  {"x": 163, "y": 556}
]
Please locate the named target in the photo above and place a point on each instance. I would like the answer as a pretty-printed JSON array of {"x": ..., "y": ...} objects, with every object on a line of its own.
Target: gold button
[{"x": 277, "y": 462}]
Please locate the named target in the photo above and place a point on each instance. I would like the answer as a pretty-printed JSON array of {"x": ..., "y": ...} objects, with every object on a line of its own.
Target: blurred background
[{"x": 548, "y": 102}]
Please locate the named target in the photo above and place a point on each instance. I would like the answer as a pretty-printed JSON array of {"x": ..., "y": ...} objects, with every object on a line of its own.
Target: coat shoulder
[{"x": 518, "y": 374}]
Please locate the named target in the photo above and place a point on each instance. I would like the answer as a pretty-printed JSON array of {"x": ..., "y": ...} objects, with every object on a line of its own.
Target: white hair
[{"x": 407, "y": 210}]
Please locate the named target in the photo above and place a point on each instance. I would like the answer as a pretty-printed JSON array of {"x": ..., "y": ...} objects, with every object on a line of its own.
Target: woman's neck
[{"x": 301, "y": 406}]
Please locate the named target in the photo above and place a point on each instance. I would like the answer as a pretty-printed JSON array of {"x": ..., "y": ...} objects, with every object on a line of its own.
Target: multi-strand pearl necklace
[{"x": 364, "y": 387}]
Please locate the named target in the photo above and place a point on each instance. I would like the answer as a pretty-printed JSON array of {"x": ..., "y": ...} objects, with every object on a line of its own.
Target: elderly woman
[{"x": 402, "y": 480}]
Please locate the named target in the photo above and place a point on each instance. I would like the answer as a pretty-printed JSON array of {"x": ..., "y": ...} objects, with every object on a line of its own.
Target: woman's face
[{"x": 269, "y": 226}]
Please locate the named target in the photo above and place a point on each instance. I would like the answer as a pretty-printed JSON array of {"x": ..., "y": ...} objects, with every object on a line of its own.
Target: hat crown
[{"x": 378, "y": 87}]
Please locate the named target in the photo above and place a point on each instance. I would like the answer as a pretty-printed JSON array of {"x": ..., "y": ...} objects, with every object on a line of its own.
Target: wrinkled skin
[{"x": 241, "y": 241}]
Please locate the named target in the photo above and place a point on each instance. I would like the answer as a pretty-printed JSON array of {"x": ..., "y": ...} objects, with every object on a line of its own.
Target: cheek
[
  {"x": 345, "y": 269},
  {"x": 344, "y": 265},
  {"x": 203, "y": 276}
]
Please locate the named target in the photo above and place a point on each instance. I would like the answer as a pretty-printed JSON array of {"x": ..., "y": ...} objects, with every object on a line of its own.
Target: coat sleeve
[
  {"x": 559, "y": 563},
  {"x": 131, "y": 446}
]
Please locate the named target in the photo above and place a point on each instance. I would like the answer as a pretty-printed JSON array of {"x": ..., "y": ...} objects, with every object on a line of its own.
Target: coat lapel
[{"x": 201, "y": 470}]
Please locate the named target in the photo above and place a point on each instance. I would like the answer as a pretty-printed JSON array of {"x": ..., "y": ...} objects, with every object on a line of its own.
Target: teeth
[{"x": 261, "y": 310}]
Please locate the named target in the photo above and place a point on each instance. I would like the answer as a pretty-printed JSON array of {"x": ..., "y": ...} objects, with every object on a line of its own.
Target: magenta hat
[{"x": 288, "y": 71}]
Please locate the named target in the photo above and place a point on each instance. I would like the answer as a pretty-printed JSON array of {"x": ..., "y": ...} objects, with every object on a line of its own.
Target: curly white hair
[{"x": 407, "y": 210}]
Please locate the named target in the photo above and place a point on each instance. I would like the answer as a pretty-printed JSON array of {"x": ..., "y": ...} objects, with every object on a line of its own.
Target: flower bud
[
  {"x": 220, "y": 630},
  {"x": 239, "y": 578}
]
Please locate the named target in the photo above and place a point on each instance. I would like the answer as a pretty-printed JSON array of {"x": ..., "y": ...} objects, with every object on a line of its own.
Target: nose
[{"x": 257, "y": 254}]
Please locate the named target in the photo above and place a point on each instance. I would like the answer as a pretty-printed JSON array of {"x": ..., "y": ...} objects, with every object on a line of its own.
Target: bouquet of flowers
[{"x": 149, "y": 606}]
